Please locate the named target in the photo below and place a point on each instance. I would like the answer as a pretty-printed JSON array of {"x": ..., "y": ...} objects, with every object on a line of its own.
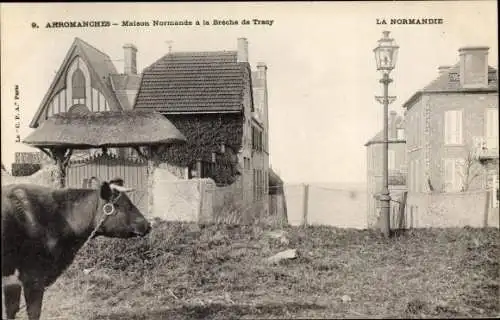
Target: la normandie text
[{"x": 411, "y": 21}]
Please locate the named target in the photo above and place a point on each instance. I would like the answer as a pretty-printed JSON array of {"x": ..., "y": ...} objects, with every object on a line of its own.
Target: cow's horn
[{"x": 120, "y": 188}]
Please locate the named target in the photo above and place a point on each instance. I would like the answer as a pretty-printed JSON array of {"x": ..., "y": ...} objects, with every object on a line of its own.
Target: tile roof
[
  {"x": 449, "y": 81},
  {"x": 126, "y": 81},
  {"x": 194, "y": 82},
  {"x": 123, "y": 85}
]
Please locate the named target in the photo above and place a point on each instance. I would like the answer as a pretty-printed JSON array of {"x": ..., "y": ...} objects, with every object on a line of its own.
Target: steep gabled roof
[
  {"x": 100, "y": 67},
  {"x": 194, "y": 82},
  {"x": 449, "y": 82},
  {"x": 122, "y": 85},
  {"x": 100, "y": 61}
]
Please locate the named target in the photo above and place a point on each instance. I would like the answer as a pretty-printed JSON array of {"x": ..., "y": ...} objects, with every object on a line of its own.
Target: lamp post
[{"x": 385, "y": 55}]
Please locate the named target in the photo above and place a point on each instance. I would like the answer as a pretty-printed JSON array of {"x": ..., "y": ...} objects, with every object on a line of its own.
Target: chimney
[
  {"x": 261, "y": 74},
  {"x": 130, "y": 59},
  {"x": 242, "y": 50},
  {"x": 443, "y": 69},
  {"x": 392, "y": 125},
  {"x": 473, "y": 67}
]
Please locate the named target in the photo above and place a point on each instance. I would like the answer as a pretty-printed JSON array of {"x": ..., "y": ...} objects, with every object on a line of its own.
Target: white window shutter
[
  {"x": 459, "y": 174},
  {"x": 392, "y": 159},
  {"x": 459, "y": 126},
  {"x": 492, "y": 128},
  {"x": 447, "y": 123},
  {"x": 410, "y": 180},
  {"x": 448, "y": 174},
  {"x": 453, "y": 127},
  {"x": 494, "y": 200}
]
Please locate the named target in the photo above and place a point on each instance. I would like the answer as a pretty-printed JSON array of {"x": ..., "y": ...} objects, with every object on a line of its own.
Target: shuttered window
[
  {"x": 417, "y": 175},
  {"x": 453, "y": 174},
  {"x": 494, "y": 192},
  {"x": 491, "y": 128},
  {"x": 392, "y": 159},
  {"x": 453, "y": 127}
]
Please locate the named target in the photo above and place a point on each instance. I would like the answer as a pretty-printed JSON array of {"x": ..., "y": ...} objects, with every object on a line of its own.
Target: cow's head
[{"x": 122, "y": 218}]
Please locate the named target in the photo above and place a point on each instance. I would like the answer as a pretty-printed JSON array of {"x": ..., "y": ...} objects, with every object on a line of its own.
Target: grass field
[{"x": 182, "y": 271}]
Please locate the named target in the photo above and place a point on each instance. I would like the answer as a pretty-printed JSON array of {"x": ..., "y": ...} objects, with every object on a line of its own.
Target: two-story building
[
  {"x": 213, "y": 98},
  {"x": 220, "y": 105},
  {"x": 452, "y": 128},
  {"x": 396, "y": 164}
]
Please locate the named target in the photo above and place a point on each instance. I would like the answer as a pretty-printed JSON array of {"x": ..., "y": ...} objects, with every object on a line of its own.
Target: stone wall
[
  {"x": 181, "y": 200},
  {"x": 446, "y": 210}
]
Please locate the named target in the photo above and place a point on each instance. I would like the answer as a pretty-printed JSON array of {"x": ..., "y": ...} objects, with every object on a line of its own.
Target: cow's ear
[{"x": 106, "y": 192}]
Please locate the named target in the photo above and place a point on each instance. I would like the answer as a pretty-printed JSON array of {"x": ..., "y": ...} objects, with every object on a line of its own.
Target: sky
[{"x": 322, "y": 76}]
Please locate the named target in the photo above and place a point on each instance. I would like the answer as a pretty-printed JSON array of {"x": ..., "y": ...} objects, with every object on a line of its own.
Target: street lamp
[{"x": 386, "y": 54}]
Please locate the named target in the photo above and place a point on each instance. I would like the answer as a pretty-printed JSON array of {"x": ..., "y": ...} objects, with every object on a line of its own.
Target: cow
[{"x": 43, "y": 228}]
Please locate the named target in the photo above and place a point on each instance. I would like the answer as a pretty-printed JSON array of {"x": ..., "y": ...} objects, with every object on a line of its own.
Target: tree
[{"x": 471, "y": 169}]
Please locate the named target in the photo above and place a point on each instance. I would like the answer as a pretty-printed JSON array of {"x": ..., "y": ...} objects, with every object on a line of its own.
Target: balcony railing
[{"x": 485, "y": 148}]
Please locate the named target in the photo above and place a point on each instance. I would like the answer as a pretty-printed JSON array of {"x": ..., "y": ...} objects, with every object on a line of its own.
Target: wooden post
[
  {"x": 402, "y": 207},
  {"x": 306, "y": 204},
  {"x": 61, "y": 157},
  {"x": 486, "y": 209},
  {"x": 201, "y": 189}
]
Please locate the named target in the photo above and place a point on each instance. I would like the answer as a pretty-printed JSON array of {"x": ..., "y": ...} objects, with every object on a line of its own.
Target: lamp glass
[{"x": 386, "y": 53}]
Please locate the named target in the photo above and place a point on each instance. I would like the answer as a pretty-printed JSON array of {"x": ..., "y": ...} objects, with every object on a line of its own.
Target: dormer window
[
  {"x": 78, "y": 84},
  {"x": 454, "y": 77}
]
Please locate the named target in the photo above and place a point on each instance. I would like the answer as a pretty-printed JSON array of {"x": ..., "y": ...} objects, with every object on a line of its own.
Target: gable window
[
  {"x": 453, "y": 127},
  {"x": 78, "y": 84},
  {"x": 491, "y": 128}
]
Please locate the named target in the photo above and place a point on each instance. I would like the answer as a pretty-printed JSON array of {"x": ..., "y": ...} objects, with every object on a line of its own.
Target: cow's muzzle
[{"x": 143, "y": 229}]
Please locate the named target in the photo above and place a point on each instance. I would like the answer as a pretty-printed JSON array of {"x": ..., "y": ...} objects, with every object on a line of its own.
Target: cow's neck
[{"x": 83, "y": 214}]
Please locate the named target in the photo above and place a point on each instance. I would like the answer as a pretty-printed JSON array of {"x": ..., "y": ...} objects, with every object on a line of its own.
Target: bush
[{"x": 24, "y": 169}]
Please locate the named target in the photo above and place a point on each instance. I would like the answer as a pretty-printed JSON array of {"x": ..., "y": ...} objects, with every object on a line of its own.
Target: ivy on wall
[{"x": 205, "y": 135}]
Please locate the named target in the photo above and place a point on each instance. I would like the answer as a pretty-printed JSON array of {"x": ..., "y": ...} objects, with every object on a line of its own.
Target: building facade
[
  {"x": 213, "y": 98},
  {"x": 396, "y": 164},
  {"x": 452, "y": 128},
  {"x": 88, "y": 81},
  {"x": 220, "y": 105}
]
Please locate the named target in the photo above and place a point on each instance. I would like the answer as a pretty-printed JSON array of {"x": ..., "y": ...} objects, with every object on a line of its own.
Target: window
[
  {"x": 412, "y": 176},
  {"x": 78, "y": 84},
  {"x": 491, "y": 129},
  {"x": 453, "y": 127},
  {"x": 256, "y": 139},
  {"x": 417, "y": 175},
  {"x": 494, "y": 192},
  {"x": 246, "y": 163},
  {"x": 400, "y": 134},
  {"x": 452, "y": 174},
  {"x": 392, "y": 159}
]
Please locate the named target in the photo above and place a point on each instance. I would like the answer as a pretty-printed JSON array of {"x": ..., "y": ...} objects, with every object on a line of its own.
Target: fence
[
  {"x": 201, "y": 200},
  {"x": 337, "y": 205},
  {"x": 105, "y": 168}
]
